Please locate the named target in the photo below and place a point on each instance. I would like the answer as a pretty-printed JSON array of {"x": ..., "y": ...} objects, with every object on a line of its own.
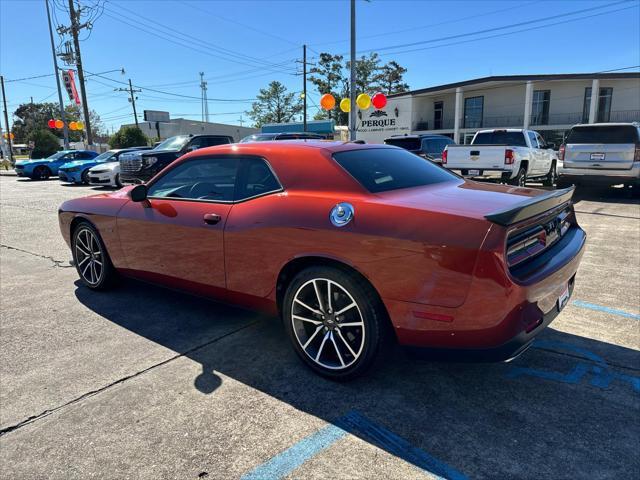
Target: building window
[
  {"x": 540, "y": 107},
  {"x": 473, "y": 111},
  {"x": 604, "y": 105},
  {"x": 438, "y": 109}
]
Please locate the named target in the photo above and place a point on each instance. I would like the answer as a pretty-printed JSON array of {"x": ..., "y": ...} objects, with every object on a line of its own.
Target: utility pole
[
  {"x": 205, "y": 103},
  {"x": 63, "y": 116},
  {"x": 240, "y": 120},
  {"x": 75, "y": 28},
  {"x": 352, "y": 80},
  {"x": 132, "y": 99},
  {"x": 304, "y": 88},
  {"x": 6, "y": 120}
]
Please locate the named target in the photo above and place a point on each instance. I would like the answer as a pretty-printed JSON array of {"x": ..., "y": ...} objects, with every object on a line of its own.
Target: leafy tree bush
[
  {"x": 46, "y": 143},
  {"x": 128, "y": 137},
  {"x": 275, "y": 105}
]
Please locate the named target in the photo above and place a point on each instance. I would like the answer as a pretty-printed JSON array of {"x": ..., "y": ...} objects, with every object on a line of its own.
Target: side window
[
  {"x": 541, "y": 141},
  {"x": 532, "y": 139},
  {"x": 197, "y": 143},
  {"x": 257, "y": 179},
  {"x": 84, "y": 156},
  {"x": 213, "y": 141},
  {"x": 210, "y": 179}
]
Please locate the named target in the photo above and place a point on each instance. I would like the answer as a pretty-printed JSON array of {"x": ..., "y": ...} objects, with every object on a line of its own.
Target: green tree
[
  {"x": 45, "y": 143},
  {"x": 390, "y": 78},
  {"x": 128, "y": 137},
  {"x": 275, "y": 105},
  {"x": 328, "y": 77},
  {"x": 30, "y": 117}
]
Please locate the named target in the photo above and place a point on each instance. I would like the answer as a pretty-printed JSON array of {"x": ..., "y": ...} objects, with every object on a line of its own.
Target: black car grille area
[{"x": 130, "y": 165}]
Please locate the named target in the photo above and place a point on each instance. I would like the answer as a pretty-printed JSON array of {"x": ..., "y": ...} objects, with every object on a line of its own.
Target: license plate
[
  {"x": 563, "y": 299},
  {"x": 597, "y": 157},
  {"x": 474, "y": 172}
]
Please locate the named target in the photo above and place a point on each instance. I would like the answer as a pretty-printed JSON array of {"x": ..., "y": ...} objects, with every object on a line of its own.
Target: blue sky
[{"x": 243, "y": 45}]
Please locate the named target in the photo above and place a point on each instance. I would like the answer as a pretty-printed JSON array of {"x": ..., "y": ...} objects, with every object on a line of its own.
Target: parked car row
[{"x": 595, "y": 154}]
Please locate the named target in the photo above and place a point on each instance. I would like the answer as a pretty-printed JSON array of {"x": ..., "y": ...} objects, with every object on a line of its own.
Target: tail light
[
  {"x": 636, "y": 155},
  {"x": 561, "y": 153},
  {"x": 508, "y": 157},
  {"x": 445, "y": 153}
]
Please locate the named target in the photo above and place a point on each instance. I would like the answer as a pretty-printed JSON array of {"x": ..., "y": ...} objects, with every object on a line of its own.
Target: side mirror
[{"x": 138, "y": 193}]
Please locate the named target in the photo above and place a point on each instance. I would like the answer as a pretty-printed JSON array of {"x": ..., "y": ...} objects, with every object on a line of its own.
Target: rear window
[
  {"x": 603, "y": 134},
  {"x": 384, "y": 169},
  {"x": 406, "y": 143},
  {"x": 435, "y": 146},
  {"x": 500, "y": 137}
]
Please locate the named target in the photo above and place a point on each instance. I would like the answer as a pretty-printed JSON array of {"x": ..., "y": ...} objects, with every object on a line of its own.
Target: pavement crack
[
  {"x": 119, "y": 381},
  {"x": 56, "y": 263}
]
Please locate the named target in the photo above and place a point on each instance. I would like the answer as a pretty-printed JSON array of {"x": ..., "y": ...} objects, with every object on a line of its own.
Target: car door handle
[{"x": 211, "y": 218}]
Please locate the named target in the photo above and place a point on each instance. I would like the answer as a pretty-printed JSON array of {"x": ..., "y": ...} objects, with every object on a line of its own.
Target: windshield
[
  {"x": 500, "y": 137},
  {"x": 57, "y": 155},
  {"x": 408, "y": 143},
  {"x": 384, "y": 169},
  {"x": 174, "y": 143},
  {"x": 105, "y": 157},
  {"x": 604, "y": 134}
]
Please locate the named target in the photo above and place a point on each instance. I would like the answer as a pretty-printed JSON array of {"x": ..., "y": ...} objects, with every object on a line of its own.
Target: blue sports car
[{"x": 44, "y": 168}]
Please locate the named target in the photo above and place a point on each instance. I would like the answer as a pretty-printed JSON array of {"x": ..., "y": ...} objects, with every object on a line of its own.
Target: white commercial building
[
  {"x": 183, "y": 126},
  {"x": 550, "y": 104}
]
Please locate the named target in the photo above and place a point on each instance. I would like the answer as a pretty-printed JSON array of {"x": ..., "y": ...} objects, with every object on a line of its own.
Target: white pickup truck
[{"x": 511, "y": 156}]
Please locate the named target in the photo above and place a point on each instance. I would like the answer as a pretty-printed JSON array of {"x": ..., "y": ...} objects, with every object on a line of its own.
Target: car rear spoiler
[{"x": 531, "y": 207}]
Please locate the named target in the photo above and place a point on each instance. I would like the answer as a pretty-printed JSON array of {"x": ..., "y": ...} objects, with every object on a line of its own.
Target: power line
[
  {"x": 268, "y": 34},
  {"x": 510, "y": 33},
  {"x": 502, "y": 27},
  {"x": 223, "y": 53}
]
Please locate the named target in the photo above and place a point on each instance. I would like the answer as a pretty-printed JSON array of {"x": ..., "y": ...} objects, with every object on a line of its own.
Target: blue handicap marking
[
  {"x": 601, "y": 308},
  {"x": 601, "y": 375},
  {"x": 355, "y": 423}
]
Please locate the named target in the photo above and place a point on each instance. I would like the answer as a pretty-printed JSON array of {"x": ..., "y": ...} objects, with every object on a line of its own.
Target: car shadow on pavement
[{"x": 567, "y": 408}]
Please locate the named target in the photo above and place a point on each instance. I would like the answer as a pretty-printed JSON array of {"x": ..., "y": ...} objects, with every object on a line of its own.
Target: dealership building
[{"x": 549, "y": 104}]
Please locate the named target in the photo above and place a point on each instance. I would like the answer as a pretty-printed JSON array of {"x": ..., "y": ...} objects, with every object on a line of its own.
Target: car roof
[
  {"x": 418, "y": 135},
  {"x": 606, "y": 124}
]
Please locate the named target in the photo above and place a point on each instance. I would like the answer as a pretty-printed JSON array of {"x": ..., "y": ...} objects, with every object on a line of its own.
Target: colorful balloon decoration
[
  {"x": 345, "y": 105},
  {"x": 363, "y": 101},
  {"x": 327, "y": 102},
  {"x": 51, "y": 123},
  {"x": 73, "y": 125},
  {"x": 379, "y": 100},
  {"x": 79, "y": 125},
  {"x": 59, "y": 124}
]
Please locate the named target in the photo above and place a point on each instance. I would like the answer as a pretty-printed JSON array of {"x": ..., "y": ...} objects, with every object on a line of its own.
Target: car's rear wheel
[
  {"x": 334, "y": 320},
  {"x": 41, "y": 173},
  {"x": 521, "y": 178},
  {"x": 91, "y": 258}
]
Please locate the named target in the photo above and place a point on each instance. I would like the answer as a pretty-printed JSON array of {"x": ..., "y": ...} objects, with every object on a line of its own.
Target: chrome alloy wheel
[
  {"x": 89, "y": 256},
  {"x": 328, "y": 324}
]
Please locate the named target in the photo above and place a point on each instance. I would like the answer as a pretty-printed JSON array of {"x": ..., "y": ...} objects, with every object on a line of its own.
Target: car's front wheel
[
  {"x": 117, "y": 181},
  {"x": 41, "y": 173},
  {"x": 334, "y": 320},
  {"x": 85, "y": 177},
  {"x": 91, "y": 259},
  {"x": 552, "y": 177}
]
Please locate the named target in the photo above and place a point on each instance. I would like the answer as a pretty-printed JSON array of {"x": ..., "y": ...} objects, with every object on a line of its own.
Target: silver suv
[{"x": 601, "y": 154}]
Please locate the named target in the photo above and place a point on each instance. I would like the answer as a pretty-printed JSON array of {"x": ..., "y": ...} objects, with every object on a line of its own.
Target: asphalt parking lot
[{"x": 143, "y": 382}]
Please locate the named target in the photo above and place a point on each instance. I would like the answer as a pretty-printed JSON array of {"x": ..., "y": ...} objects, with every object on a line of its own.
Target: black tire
[
  {"x": 118, "y": 182},
  {"x": 107, "y": 276},
  {"x": 366, "y": 341},
  {"x": 552, "y": 177},
  {"x": 520, "y": 179},
  {"x": 85, "y": 177},
  {"x": 41, "y": 172}
]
